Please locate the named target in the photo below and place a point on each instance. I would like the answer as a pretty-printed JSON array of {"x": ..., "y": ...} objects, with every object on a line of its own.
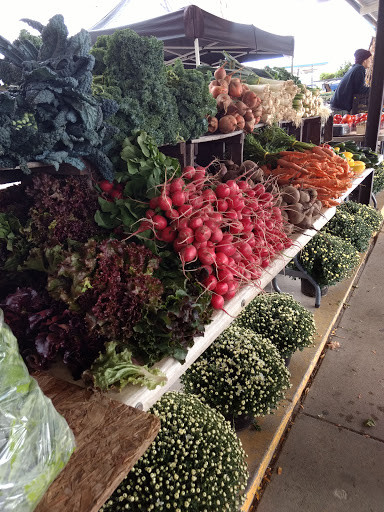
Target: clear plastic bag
[{"x": 35, "y": 440}]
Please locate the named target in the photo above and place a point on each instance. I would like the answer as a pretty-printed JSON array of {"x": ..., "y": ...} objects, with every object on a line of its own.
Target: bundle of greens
[
  {"x": 193, "y": 99},
  {"x": 52, "y": 116},
  {"x": 134, "y": 75},
  {"x": 35, "y": 441}
]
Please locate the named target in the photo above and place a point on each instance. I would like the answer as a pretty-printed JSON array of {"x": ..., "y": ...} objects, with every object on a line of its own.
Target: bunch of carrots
[{"x": 320, "y": 168}]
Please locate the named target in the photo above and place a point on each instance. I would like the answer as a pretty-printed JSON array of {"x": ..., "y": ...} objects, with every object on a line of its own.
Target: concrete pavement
[{"x": 333, "y": 456}]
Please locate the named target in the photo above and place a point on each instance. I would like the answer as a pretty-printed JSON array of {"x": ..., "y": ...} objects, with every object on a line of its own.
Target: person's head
[{"x": 363, "y": 57}]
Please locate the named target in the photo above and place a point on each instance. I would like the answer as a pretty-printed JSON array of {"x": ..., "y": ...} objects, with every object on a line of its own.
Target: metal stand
[{"x": 302, "y": 274}]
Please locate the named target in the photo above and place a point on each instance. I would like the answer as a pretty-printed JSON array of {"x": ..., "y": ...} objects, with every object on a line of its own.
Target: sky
[{"x": 324, "y": 30}]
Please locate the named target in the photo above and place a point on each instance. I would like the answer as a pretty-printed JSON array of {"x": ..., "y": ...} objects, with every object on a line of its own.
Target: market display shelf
[{"x": 143, "y": 398}]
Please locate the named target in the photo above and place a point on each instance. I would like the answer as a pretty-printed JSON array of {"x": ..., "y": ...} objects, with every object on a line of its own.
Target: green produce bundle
[{"x": 35, "y": 440}]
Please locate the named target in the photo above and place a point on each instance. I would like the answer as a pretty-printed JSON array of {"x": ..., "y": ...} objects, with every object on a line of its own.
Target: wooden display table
[{"x": 110, "y": 438}]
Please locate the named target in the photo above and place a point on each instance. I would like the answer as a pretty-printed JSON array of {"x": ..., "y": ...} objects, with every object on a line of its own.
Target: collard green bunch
[
  {"x": 51, "y": 115},
  {"x": 196, "y": 463}
]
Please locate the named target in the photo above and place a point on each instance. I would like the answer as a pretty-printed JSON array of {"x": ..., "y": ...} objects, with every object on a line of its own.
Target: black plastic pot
[
  {"x": 308, "y": 289},
  {"x": 243, "y": 421}
]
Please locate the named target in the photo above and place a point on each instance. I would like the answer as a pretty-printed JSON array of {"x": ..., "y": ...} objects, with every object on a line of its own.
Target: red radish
[
  {"x": 159, "y": 222},
  {"x": 165, "y": 202},
  {"x": 217, "y": 217},
  {"x": 150, "y": 213},
  {"x": 206, "y": 256},
  {"x": 200, "y": 174},
  {"x": 221, "y": 259},
  {"x": 188, "y": 172},
  {"x": 178, "y": 198},
  {"x": 200, "y": 245},
  {"x": 203, "y": 233},
  {"x": 188, "y": 253},
  {"x": 245, "y": 249},
  {"x": 224, "y": 274},
  {"x": 168, "y": 234},
  {"x": 266, "y": 197},
  {"x": 176, "y": 185},
  {"x": 259, "y": 189},
  {"x": 154, "y": 202},
  {"x": 231, "y": 292},
  {"x": 185, "y": 209},
  {"x": 172, "y": 214},
  {"x": 208, "y": 268},
  {"x": 186, "y": 236},
  {"x": 243, "y": 185},
  {"x": 209, "y": 195},
  {"x": 210, "y": 282},
  {"x": 236, "y": 227},
  {"x": 233, "y": 186},
  {"x": 211, "y": 224},
  {"x": 265, "y": 263},
  {"x": 222, "y": 190},
  {"x": 236, "y": 256},
  {"x": 116, "y": 194},
  {"x": 222, "y": 205},
  {"x": 231, "y": 214},
  {"x": 144, "y": 226},
  {"x": 105, "y": 185},
  {"x": 221, "y": 288},
  {"x": 195, "y": 222},
  {"x": 217, "y": 302},
  {"x": 217, "y": 236},
  {"x": 196, "y": 201},
  {"x": 227, "y": 248},
  {"x": 181, "y": 223}
]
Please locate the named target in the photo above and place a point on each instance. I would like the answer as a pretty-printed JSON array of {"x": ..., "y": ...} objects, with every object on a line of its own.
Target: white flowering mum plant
[
  {"x": 328, "y": 258},
  {"x": 196, "y": 463},
  {"x": 240, "y": 374},
  {"x": 281, "y": 319},
  {"x": 355, "y": 223}
]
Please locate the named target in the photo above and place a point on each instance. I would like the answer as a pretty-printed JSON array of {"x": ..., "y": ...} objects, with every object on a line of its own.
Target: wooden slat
[{"x": 110, "y": 438}]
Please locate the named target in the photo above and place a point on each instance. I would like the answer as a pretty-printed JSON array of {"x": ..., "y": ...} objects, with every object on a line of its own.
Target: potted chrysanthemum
[
  {"x": 280, "y": 318},
  {"x": 328, "y": 258},
  {"x": 195, "y": 463},
  {"x": 241, "y": 375},
  {"x": 355, "y": 223}
]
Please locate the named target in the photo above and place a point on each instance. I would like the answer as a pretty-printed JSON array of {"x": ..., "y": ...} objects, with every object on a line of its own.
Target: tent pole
[
  {"x": 197, "y": 52},
  {"x": 292, "y": 65}
]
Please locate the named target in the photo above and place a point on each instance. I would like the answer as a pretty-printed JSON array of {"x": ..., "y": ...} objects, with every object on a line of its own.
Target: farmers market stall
[{"x": 119, "y": 266}]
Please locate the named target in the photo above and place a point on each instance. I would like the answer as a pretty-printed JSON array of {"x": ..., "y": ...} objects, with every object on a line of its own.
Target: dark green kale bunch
[
  {"x": 135, "y": 76},
  {"x": 194, "y": 101},
  {"x": 52, "y": 116}
]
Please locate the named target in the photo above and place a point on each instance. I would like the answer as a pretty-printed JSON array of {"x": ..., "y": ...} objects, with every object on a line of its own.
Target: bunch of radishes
[
  {"x": 232, "y": 229},
  {"x": 238, "y": 108},
  {"x": 112, "y": 190}
]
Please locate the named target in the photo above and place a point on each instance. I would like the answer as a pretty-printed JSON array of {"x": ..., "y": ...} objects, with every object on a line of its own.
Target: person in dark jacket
[{"x": 353, "y": 82}]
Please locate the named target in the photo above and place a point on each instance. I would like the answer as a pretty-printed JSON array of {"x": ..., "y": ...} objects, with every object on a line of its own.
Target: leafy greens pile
[
  {"x": 52, "y": 116},
  {"x": 170, "y": 103},
  {"x": 74, "y": 292}
]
